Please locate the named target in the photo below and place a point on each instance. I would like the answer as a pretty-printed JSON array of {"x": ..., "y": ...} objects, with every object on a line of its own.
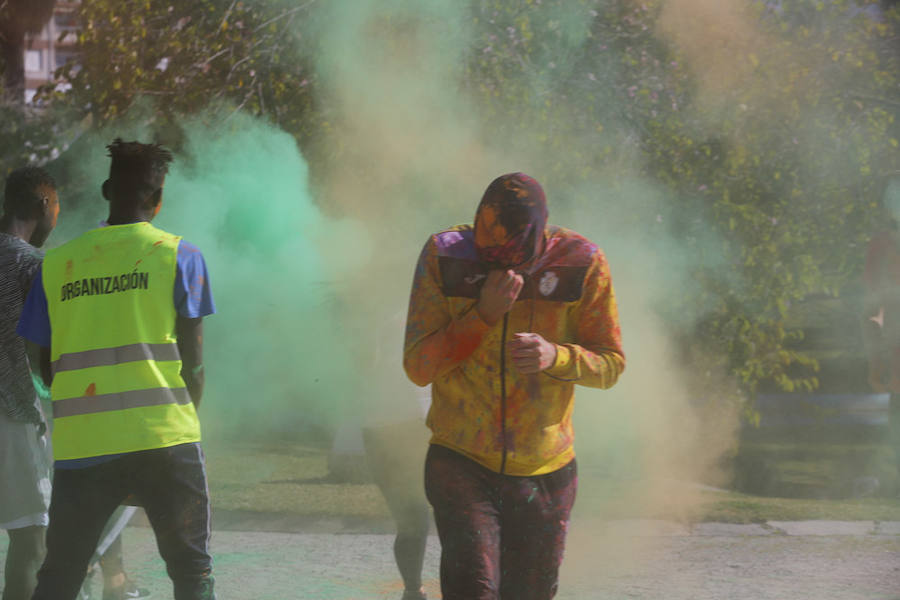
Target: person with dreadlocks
[
  {"x": 504, "y": 319},
  {"x": 118, "y": 312},
  {"x": 30, "y": 211}
]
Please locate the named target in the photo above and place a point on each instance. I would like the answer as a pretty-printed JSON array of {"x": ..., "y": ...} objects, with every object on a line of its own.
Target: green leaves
[
  {"x": 770, "y": 184},
  {"x": 188, "y": 56},
  {"x": 785, "y": 167}
]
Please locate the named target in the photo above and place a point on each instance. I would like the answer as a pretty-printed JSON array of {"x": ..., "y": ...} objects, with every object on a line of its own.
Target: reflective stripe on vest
[
  {"x": 114, "y": 356},
  {"x": 86, "y": 405}
]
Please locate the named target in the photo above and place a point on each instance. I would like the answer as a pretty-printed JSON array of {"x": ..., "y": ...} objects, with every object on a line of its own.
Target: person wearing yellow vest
[{"x": 118, "y": 313}]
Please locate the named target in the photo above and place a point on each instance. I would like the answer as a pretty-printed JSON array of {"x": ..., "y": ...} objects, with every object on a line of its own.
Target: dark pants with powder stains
[
  {"x": 502, "y": 537},
  {"x": 170, "y": 483}
]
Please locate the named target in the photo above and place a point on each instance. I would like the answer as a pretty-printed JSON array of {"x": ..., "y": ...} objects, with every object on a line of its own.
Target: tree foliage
[
  {"x": 772, "y": 162},
  {"x": 772, "y": 183},
  {"x": 791, "y": 179},
  {"x": 186, "y": 56}
]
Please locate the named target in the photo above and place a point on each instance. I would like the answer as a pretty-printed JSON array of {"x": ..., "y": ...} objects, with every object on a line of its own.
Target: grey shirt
[{"x": 19, "y": 262}]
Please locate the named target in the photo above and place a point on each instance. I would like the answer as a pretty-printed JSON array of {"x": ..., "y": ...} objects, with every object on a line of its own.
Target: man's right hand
[{"x": 498, "y": 294}]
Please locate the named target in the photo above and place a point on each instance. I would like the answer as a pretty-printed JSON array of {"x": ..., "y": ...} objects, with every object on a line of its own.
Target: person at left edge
[
  {"x": 30, "y": 211},
  {"x": 118, "y": 313}
]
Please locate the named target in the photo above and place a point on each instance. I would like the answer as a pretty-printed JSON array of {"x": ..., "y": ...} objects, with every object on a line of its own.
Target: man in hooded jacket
[{"x": 505, "y": 317}]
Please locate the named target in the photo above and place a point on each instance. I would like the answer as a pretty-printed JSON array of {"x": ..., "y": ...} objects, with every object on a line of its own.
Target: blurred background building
[{"x": 51, "y": 48}]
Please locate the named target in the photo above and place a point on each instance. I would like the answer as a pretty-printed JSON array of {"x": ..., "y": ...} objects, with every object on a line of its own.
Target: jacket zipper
[{"x": 503, "y": 392}]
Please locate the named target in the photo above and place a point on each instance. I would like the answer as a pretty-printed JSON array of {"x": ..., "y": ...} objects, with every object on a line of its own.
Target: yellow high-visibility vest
[{"x": 117, "y": 383}]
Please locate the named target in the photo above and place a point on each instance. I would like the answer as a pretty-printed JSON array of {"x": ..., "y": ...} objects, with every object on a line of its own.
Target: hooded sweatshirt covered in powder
[{"x": 482, "y": 407}]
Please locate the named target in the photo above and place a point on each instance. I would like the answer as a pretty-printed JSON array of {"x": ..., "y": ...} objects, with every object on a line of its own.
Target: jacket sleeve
[
  {"x": 436, "y": 341},
  {"x": 596, "y": 359}
]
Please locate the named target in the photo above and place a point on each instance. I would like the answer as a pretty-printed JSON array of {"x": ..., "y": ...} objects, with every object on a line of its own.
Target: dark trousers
[
  {"x": 501, "y": 536},
  {"x": 170, "y": 483}
]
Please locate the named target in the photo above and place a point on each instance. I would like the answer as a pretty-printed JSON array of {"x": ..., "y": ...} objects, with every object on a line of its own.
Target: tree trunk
[{"x": 12, "y": 49}]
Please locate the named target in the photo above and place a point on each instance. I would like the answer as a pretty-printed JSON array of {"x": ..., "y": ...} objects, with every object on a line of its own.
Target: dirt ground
[{"x": 618, "y": 560}]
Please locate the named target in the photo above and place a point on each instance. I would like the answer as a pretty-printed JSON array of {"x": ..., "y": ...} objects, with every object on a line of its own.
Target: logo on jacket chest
[
  {"x": 548, "y": 282},
  {"x": 461, "y": 278}
]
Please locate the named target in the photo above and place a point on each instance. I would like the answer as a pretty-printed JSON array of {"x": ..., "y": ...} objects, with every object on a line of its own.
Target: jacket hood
[{"x": 510, "y": 221}]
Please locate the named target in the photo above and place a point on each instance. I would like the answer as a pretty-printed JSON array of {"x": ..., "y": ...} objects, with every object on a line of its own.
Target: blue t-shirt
[{"x": 192, "y": 297}]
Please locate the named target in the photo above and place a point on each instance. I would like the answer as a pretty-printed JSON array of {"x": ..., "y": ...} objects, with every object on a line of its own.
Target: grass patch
[
  {"x": 284, "y": 478},
  {"x": 814, "y": 468},
  {"x": 686, "y": 502},
  {"x": 291, "y": 479},
  {"x": 739, "y": 508}
]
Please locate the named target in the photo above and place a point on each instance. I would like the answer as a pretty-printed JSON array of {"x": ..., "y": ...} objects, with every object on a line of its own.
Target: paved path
[{"x": 617, "y": 560}]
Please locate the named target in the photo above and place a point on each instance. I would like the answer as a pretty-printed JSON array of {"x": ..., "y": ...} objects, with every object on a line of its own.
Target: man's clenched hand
[
  {"x": 498, "y": 294},
  {"x": 531, "y": 353}
]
